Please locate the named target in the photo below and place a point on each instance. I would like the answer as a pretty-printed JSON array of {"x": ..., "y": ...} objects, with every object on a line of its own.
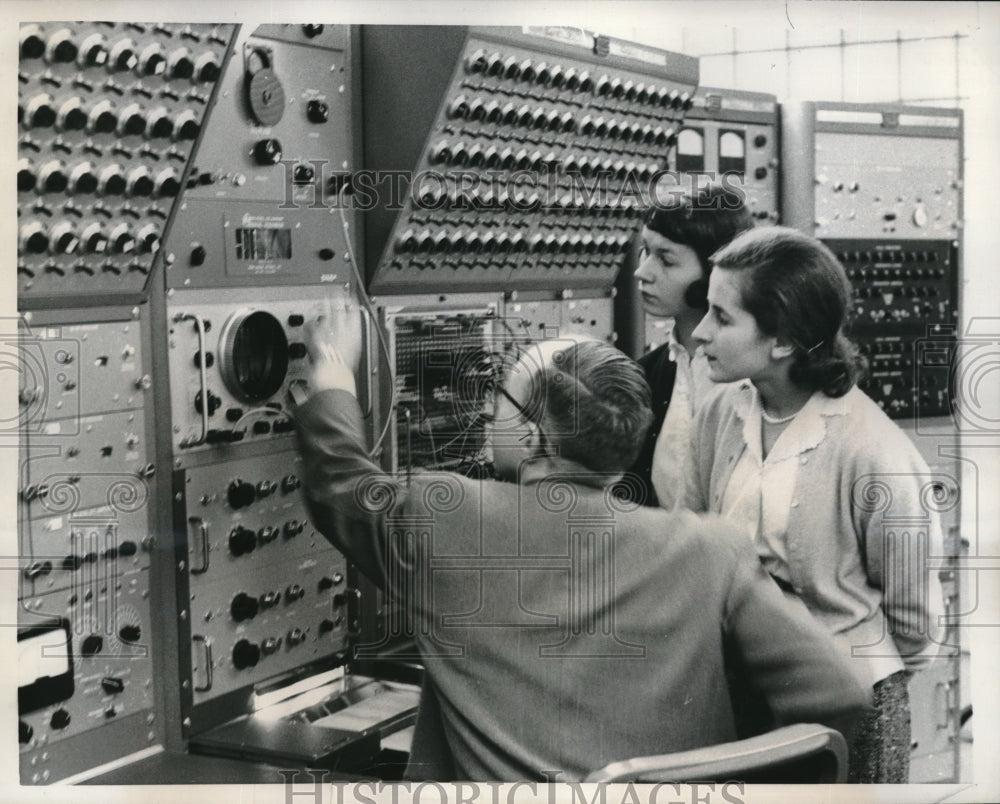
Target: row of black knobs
[
  {"x": 559, "y": 77},
  {"x": 124, "y": 55},
  {"x": 246, "y": 607},
  {"x": 104, "y": 117}
]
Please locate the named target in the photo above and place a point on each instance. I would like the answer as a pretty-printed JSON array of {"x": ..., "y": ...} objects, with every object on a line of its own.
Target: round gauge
[{"x": 254, "y": 355}]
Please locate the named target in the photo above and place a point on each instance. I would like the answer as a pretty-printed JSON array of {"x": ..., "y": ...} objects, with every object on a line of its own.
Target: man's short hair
[{"x": 595, "y": 405}]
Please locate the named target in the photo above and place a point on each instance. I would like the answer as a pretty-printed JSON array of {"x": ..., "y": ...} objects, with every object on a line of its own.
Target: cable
[
  {"x": 366, "y": 303},
  {"x": 254, "y": 412}
]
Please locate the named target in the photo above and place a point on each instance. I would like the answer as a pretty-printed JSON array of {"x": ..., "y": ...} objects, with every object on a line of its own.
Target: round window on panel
[{"x": 254, "y": 355}]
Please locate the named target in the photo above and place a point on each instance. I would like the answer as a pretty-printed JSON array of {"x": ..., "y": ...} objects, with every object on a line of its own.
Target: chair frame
[{"x": 727, "y": 761}]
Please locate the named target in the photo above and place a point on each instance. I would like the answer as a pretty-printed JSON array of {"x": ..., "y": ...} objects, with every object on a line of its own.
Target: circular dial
[
  {"x": 254, "y": 358},
  {"x": 266, "y": 97}
]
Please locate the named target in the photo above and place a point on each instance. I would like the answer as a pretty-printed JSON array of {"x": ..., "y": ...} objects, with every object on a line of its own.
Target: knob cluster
[
  {"x": 85, "y": 177},
  {"x": 247, "y": 654},
  {"x": 566, "y": 78},
  {"x": 108, "y": 114},
  {"x": 125, "y": 51},
  {"x": 474, "y": 242},
  {"x": 126, "y": 122},
  {"x": 589, "y": 141}
]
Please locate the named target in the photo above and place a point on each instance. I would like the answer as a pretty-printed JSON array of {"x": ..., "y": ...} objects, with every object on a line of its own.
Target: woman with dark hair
[
  {"x": 817, "y": 473},
  {"x": 677, "y": 240}
]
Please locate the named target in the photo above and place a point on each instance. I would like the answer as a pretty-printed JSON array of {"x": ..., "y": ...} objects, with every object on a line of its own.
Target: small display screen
[
  {"x": 256, "y": 244},
  {"x": 44, "y": 666}
]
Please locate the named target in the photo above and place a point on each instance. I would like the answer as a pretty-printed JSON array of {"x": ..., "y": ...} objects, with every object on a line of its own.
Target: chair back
[{"x": 800, "y": 754}]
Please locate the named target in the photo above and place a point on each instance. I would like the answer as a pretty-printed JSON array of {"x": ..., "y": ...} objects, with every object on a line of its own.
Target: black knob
[
  {"x": 139, "y": 182},
  {"x": 61, "y": 48},
  {"x": 127, "y": 549},
  {"x": 40, "y": 112},
  {"x": 60, "y": 719},
  {"x": 325, "y": 583},
  {"x": 32, "y": 45},
  {"x": 53, "y": 178},
  {"x": 245, "y": 654},
  {"x": 103, "y": 119},
  {"x": 180, "y": 64},
  {"x": 303, "y": 174},
  {"x": 326, "y": 626},
  {"x": 189, "y": 130},
  {"x": 207, "y": 68},
  {"x": 71, "y": 116},
  {"x": 94, "y": 239},
  {"x": 317, "y": 111},
  {"x": 267, "y": 152},
  {"x": 167, "y": 185},
  {"x": 760, "y": 173},
  {"x": 72, "y": 562},
  {"x": 24, "y": 732},
  {"x": 292, "y": 528},
  {"x": 339, "y": 599},
  {"x": 123, "y": 56},
  {"x": 37, "y": 569},
  {"x": 242, "y": 541},
  {"x": 26, "y": 177},
  {"x": 111, "y": 181},
  {"x": 152, "y": 61},
  {"x": 82, "y": 179},
  {"x": 92, "y": 645},
  {"x": 297, "y": 351},
  {"x": 241, "y": 494},
  {"x": 130, "y": 633},
  {"x": 197, "y": 256},
  {"x": 64, "y": 239},
  {"x": 132, "y": 122},
  {"x": 158, "y": 125},
  {"x": 121, "y": 239},
  {"x": 244, "y": 607},
  {"x": 312, "y": 31},
  {"x": 112, "y": 685},
  {"x": 93, "y": 51},
  {"x": 289, "y": 483},
  {"x": 293, "y": 593}
]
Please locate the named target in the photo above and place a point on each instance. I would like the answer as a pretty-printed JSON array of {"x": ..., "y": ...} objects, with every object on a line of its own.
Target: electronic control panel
[
  {"x": 904, "y": 320},
  {"x": 872, "y": 171},
  {"x": 234, "y": 362},
  {"x": 261, "y": 597},
  {"x": 882, "y": 186},
  {"x": 264, "y": 203},
  {"x": 264, "y": 592},
  {"x": 108, "y": 114},
  {"x": 522, "y": 156},
  {"x": 732, "y": 136},
  {"x": 85, "y": 547}
]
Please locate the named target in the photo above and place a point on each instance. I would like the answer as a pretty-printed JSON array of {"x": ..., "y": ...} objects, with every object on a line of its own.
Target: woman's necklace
[{"x": 773, "y": 420}]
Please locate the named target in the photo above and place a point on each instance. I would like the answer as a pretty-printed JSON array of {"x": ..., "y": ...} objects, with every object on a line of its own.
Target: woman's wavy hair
[{"x": 796, "y": 290}]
